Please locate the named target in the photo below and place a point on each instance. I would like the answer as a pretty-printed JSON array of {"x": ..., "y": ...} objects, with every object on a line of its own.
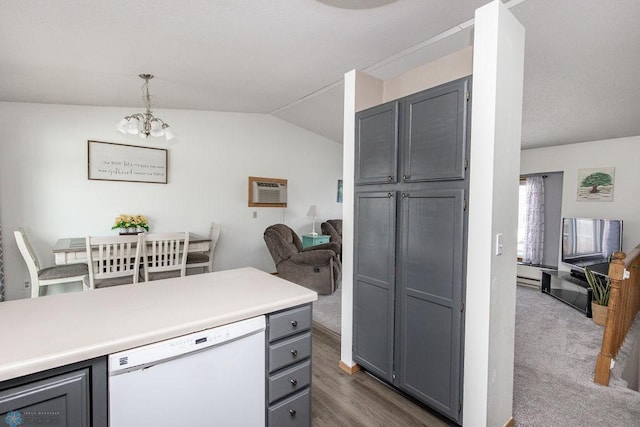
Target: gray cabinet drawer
[
  {"x": 289, "y": 351},
  {"x": 295, "y": 411},
  {"x": 289, "y": 322},
  {"x": 289, "y": 381}
]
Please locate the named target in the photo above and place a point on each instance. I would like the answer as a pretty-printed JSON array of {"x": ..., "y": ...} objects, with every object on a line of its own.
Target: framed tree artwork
[{"x": 596, "y": 184}]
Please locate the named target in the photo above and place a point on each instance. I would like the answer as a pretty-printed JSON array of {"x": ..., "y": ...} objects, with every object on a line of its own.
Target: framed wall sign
[{"x": 108, "y": 161}]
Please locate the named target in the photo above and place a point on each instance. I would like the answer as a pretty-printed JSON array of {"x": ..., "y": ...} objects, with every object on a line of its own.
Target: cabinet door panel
[
  {"x": 377, "y": 145},
  {"x": 373, "y": 329},
  {"x": 430, "y": 296},
  {"x": 434, "y": 133},
  {"x": 62, "y": 400},
  {"x": 374, "y": 272}
]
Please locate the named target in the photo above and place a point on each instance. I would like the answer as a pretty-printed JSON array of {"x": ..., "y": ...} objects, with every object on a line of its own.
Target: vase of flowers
[{"x": 131, "y": 224}]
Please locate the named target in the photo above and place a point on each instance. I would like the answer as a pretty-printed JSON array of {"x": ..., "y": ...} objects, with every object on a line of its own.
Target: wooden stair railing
[{"x": 624, "y": 303}]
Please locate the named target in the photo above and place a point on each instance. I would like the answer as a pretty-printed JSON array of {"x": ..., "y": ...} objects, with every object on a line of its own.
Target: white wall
[
  {"x": 621, "y": 153},
  {"x": 450, "y": 67},
  {"x": 44, "y": 185}
]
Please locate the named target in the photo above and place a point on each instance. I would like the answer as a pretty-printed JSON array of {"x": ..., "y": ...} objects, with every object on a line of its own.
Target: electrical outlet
[
  {"x": 26, "y": 284},
  {"x": 255, "y": 214}
]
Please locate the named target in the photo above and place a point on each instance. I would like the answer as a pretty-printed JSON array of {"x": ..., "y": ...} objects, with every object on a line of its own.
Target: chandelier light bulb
[
  {"x": 122, "y": 126},
  {"x": 156, "y": 128},
  {"x": 168, "y": 133},
  {"x": 132, "y": 126}
]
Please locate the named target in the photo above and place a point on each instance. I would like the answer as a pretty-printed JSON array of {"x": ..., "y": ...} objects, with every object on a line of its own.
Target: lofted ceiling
[{"x": 288, "y": 57}]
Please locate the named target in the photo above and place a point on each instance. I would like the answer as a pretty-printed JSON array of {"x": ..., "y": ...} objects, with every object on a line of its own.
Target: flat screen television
[{"x": 588, "y": 242}]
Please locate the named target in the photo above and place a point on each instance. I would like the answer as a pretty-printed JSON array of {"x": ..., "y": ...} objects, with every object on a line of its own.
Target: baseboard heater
[{"x": 527, "y": 281}]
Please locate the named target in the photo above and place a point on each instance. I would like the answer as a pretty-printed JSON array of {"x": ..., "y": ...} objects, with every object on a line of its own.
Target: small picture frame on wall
[
  {"x": 595, "y": 184},
  {"x": 339, "y": 198}
]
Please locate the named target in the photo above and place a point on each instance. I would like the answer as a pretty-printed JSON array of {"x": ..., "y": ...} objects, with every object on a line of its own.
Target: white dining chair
[
  {"x": 204, "y": 260},
  {"x": 113, "y": 260},
  {"x": 164, "y": 255},
  {"x": 40, "y": 277}
]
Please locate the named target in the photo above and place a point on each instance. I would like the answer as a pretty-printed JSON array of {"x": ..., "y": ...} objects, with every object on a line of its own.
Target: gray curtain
[
  {"x": 534, "y": 232},
  {"x": 1, "y": 268}
]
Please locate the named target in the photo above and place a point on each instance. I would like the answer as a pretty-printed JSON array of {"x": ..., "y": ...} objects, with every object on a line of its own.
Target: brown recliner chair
[
  {"x": 333, "y": 228},
  {"x": 317, "y": 267}
]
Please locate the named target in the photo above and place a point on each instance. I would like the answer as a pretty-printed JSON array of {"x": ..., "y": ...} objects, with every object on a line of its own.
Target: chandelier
[{"x": 145, "y": 124}]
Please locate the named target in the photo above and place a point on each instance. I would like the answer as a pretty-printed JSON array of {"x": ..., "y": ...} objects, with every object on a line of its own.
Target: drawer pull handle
[
  {"x": 389, "y": 178},
  {"x": 292, "y": 412},
  {"x": 294, "y": 323},
  {"x": 294, "y": 382},
  {"x": 294, "y": 353}
]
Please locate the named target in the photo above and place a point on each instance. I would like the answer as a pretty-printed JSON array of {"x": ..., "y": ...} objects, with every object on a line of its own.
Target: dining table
[{"x": 73, "y": 250}]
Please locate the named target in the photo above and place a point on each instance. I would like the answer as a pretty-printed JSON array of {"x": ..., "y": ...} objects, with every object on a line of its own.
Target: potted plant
[{"x": 601, "y": 289}]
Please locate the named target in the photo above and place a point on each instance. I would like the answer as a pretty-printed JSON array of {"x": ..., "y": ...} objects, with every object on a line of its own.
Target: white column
[
  {"x": 493, "y": 204},
  {"x": 361, "y": 91}
]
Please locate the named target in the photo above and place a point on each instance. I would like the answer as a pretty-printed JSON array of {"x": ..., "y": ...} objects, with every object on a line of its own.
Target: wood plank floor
[{"x": 340, "y": 399}]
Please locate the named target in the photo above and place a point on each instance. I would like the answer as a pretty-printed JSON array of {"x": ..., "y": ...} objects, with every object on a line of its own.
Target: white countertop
[{"x": 43, "y": 333}]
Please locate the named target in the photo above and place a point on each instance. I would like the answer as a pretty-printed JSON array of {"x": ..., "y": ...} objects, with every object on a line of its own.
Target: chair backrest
[
  {"x": 109, "y": 257},
  {"x": 282, "y": 242},
  {"x": 333, "y": 228},
  {"x": 164, "y": 252},
  {"x": 214, "y": 235},
  {"x": 28, "y": 254},
  {"x": 337, "y": 224}
]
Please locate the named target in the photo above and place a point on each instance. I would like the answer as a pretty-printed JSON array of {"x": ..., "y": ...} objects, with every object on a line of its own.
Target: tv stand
[
  {"x": 571, "y": 290},
  {"x": 578, "y": 274}
]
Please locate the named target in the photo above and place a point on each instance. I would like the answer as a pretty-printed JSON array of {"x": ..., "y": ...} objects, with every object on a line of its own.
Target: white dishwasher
[{"x": 215, "y": 377}]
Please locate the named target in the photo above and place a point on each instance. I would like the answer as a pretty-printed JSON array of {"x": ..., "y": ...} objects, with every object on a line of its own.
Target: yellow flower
[{"x": 126, "y": 221}]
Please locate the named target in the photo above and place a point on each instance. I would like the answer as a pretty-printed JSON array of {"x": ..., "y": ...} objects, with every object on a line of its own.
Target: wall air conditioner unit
[{"x": 267, "y": 192}]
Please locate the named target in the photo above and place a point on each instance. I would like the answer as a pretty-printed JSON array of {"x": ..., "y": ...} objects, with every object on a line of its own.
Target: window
[
  {"x": 532, "y": 224},
  {"x": 539, "y": 219},
  {"x": 522, "y": 220}
]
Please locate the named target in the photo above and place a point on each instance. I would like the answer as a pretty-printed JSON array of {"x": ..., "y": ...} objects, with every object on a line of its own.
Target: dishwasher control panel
[
  {"x": 175, "y": 347},
  {"x": 199, "y": 339}
]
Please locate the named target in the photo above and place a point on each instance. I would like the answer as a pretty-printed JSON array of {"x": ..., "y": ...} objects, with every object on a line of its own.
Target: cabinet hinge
[
  {"x": 461, "y": 307},
  {"x": 466, "y": 164},
  {"x": 459, "y": 406},
  {"x": 464, "y": 204},
  {"x": 467, "y": 94}
]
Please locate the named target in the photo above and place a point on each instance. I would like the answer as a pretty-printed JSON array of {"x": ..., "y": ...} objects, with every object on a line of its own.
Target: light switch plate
[{"x": 499, "y": 244}]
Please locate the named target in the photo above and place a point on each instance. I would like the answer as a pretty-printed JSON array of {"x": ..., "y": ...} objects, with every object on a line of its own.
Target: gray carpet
[
  {"x": 555, "y": 353},
  {"x": 326, "y": 310}
]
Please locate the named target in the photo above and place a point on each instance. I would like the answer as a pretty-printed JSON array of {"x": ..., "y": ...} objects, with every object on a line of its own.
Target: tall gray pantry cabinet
[{"x": 411, "y": 191}]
